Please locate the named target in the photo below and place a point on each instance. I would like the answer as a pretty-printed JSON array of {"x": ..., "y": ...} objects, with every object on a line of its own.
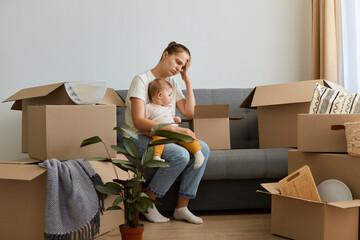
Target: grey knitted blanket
[{"x": 72, "y": 205}]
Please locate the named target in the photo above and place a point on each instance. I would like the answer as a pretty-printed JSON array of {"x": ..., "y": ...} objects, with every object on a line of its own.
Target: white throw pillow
[{"x": 329, "y": 101}]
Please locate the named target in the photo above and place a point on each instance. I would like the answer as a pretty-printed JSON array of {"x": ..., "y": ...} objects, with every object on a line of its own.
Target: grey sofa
[{"x": 232, "y": 176}]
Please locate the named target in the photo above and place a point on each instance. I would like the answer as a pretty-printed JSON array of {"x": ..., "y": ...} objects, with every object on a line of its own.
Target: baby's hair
[
  {"x": 156, "y": 86},
  {"x": 175, "y": 47}
]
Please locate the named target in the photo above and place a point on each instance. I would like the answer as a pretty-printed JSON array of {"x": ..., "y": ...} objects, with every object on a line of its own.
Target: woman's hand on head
[{"x": 185, "y": 72}]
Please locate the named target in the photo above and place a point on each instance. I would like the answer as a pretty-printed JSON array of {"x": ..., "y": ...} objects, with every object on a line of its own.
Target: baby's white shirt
[{"x": 158, "y": 113}]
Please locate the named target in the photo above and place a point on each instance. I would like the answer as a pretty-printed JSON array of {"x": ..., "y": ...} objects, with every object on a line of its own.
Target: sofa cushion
[{"x": 247, "y": 164}]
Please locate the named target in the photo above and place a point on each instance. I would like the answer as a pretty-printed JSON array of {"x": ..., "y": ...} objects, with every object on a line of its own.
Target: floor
[{"x": 247, "y": 225}]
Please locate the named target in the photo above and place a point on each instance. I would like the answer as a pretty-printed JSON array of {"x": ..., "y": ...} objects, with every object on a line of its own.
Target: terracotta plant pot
[{"x": 128, "y": 233}]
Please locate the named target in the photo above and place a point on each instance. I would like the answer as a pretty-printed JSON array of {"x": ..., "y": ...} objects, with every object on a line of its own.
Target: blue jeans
[{"x": 181, "y": 163}]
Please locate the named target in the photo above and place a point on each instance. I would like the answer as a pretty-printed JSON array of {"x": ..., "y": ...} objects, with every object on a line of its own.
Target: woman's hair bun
[
  {"x": 172, "y": 43},
  {"x": 175, "y": 47}
]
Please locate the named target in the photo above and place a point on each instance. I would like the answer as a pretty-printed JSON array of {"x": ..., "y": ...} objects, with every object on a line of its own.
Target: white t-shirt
[
  {"x": 139, "y": 89},
  {"x": 158, "y": 113}
]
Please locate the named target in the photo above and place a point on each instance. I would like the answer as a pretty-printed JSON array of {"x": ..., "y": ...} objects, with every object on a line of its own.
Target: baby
[{"x": 159, "y": 110}]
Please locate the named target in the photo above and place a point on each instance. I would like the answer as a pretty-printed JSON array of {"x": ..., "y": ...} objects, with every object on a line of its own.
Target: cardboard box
[
  {"x": 52, "y": 94},
  {"x": 315, "y": 134},
  {"x": 310, "y": 220},
  {"x": 278, "y": 106},
  {"x": 325, "y": 166},
  {"x": 22, "y": 201},
  {"x": 57, "y": 131},
  {"x": 211, "y": 125}
]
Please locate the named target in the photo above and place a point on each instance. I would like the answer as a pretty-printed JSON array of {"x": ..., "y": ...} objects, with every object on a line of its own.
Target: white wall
[{"x": 234, "y": 43}]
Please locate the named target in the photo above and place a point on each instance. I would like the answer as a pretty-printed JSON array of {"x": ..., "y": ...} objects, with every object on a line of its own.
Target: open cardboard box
[
  {"x": 311, "y": 220},
  {"x": 57, "y": 131},
  {"x": 52, "y": 94},
  {"x": 22, "y": 201},
  {"x": 278, "y": 106},
  {"x": 211, "y": 125},
  {"x": 315, "y": 134},
  {"x": 326, "y": 166}
]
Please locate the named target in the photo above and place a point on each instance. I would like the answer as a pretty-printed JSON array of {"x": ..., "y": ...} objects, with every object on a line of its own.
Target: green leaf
[
  {"x": 163, "y": 141},
  {"x": 148, "y": 155},
  {"x": 143, "y": 194},
  {"x": 137, "y": 180},
  {"x": 125, "y": 167},
  {"x": 131, "y": 148},
  {"x": 109, "y": 188},
  {"x": 135, "y": 184},
  {"x": 156, "y": 163},
  {"x": 157, "y": 127},
  {"x": 96, "y": 159},
  {"x": 124, "y": 162},
  {"x": 118, "y": 200},
  {"x": 113, "y": 208},
  {"x": 174, "y": 135},
  {"x": 119, "y": 149},
  {"x": 130, "y": 201},
  {"x": 132, "y": 134},
  {"x": 91, "y": 140},
  {"x": 144, "y": 204}
]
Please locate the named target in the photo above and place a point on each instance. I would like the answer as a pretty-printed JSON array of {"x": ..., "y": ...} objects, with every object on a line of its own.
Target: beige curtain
[{"x": 325, "y": 43}]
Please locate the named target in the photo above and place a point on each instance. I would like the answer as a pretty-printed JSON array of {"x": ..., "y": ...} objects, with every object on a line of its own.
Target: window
[{"x": 349, "y": 45}]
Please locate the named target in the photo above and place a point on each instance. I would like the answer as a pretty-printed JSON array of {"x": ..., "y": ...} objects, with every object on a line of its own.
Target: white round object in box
[
  {"x": 86, "y": 93},
  {"x": 333, "y": 190}
]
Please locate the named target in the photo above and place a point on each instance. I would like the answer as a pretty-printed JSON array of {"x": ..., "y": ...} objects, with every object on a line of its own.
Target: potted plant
[{"x": 130, "y": 192}]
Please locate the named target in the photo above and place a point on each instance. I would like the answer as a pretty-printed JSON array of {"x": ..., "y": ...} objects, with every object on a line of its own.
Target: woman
[{"x": 175, "y": 59}]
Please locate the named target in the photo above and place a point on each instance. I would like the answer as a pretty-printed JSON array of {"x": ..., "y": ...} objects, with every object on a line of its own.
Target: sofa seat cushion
[{"x": 247, "y": 164}]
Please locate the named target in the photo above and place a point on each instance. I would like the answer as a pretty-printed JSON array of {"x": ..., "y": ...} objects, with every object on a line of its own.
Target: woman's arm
[
  {"x": 138, "y": 115},
  {"x": 186, "y": 106}
]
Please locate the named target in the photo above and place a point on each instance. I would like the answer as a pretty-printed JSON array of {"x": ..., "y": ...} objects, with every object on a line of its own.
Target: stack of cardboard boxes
[
  {"x": 284, "y": 122},
  {"x": 53, "y": 127}
]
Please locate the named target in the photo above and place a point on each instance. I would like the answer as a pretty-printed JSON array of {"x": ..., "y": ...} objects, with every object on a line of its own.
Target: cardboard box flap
[
  {"x": 21, "y": 161},
  {"x": 25, "y": 172},
  {"x": 272, "y": 188},
  {"x": 112, "y": 97},
  {"x": 286, "y": 93},
  {"x": 33, "y": 92},
  {"x": 17, "y": 105},
  {"x": 346, "y": 204},
  {"x": 27, "y": 93},
  {"x": 212, "y": 111},
  {"x": 247, "y": 102}
]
